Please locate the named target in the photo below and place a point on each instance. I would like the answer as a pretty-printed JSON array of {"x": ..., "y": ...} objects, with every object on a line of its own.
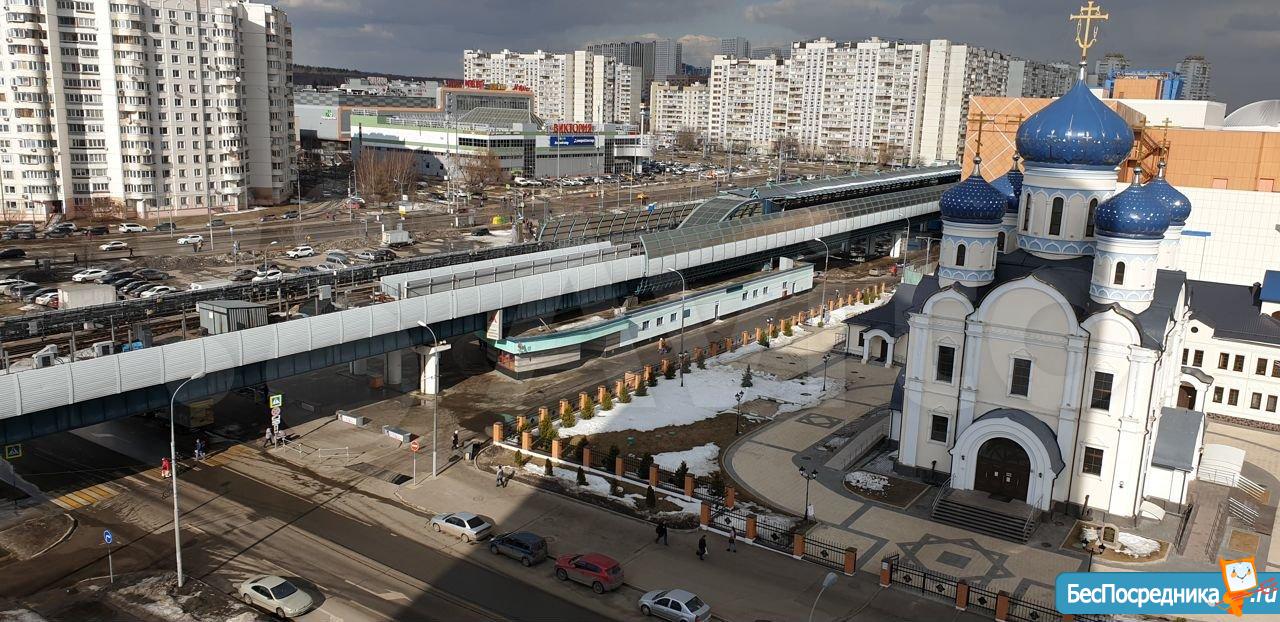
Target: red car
[{"x": 601, "y": 572}]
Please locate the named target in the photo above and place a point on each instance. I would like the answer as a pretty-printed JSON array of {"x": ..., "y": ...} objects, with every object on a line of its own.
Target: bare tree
[
  {"x": 482, "y": 171},
  {"x": 104, "y": 209},
  {"x": 381, "y": 175},
  {"x": 686, "y": 139}
]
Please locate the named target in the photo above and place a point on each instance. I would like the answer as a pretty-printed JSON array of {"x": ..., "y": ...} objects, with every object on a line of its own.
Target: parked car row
[{"x": 598, "y": 571}]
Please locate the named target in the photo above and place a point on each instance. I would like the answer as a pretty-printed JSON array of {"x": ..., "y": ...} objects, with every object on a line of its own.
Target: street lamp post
[
  {"x": 826, "y": 267},
  {"x": 825, "y": 357},
  {"x": 173, "y": 474},
  {"x": 827, "y": 582},
  {"x": 264, "y": 254},
  {"x": 809, "y": 476},
  {"x": 684, "y": 286},
  {"x": 737, "y": 422},
  {"x": 435, "y": 341}
]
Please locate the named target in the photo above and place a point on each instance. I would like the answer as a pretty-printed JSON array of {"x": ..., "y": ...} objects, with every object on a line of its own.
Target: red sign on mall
[
  {"x": 572, "y": 128},
  {"x": 473, "y": 84}
]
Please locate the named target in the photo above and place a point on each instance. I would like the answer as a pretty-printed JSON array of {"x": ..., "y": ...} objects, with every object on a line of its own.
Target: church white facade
[{"x": 1043, "y": 361}]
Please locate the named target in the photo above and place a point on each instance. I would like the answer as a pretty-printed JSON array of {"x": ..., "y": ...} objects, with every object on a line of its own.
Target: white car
[
  {"x": 277, "y": 595},
  {"x": 675, "y": 605},
  {"x": 191, "y": 238},
  {"x": 157, "y": 290},
  {"x": 132, "y": 227},
  {"x": 88, "y": 274},
  {"x": 328, "y": 267},
  {"x": 465, "y": 525},
  {"x": 268, "y": 275},
  {"x": 301, "y": 251},
  {"x": 113, "y": 246},
  {"x": 47, "y": 300}
]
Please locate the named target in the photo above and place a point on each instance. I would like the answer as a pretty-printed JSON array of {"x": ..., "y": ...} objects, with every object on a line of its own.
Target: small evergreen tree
[
  {"x": 684, "y": 364},
  {"x": 582, "y": 477},
  {"x": 643, "y": 470},
  {"x": 607, "y": 404},
  {"x": 746, "y": 377},
  {"x": 716, "y": 485},
  {"x": 653, "y": 380},
  {"x": 700, "y": 359},
  {"x": 642, "y": 390},
  {"x": 651, "y": 498},
  {"x": 546, "y": 431},
  {"x": 611, "y": 456},
  {"x": 521, "y": 459},
  {"x": 786, "y": 327},
  {"x": 625, "y": 398},
  {"x": 678, "y": 477},
  {"x": 773, "y": 331},
  {"x": 670, "y": 373},
  {"x": 568, "y": 419},
  {"x": 763, "y": 340},
  {"x": 546, "y": 468}
]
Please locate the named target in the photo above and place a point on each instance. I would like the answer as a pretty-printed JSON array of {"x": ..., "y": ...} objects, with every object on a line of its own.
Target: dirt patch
[
  {"x": 141, "y": 597},
  {"x": 718, "y": 430},
  {"x": 35, "y": 536},
  {"x": 898, "y": 492},
  {"x": 1243, "y": 542}
]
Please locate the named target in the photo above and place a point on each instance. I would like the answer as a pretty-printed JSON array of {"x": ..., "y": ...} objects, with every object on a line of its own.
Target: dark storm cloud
[{"x": 1240, "y": 37}]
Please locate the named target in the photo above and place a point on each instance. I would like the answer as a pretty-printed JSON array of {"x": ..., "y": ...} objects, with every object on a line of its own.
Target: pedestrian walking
[
  {"x": 662, "y": 533},
  {"x": 199, "y": 449},
  {"x": 164, "y": 468},
  {"x": 733, "y": 539},
  {"x": 506, "y": 477},
  {"x": 502, "y": 471},
  {"x": 702, "y": 547},
  {"x": 456, "y": 444},
  {"x": 267, "y": 440}
]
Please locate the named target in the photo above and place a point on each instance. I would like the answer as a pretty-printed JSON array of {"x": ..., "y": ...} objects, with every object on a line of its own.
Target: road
[{"x": 363, "y": 557}]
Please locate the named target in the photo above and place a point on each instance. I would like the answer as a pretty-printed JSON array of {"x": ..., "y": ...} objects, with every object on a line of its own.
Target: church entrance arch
[
  {"x": 1186, "y": 396},
  {"x": 1003, "y": 469}
]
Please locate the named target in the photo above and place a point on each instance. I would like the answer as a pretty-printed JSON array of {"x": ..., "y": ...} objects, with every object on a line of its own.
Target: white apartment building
[
  {"x": 141, "y": 108},
  {"x": 1029, "y": 78},
  {"x": 547, "y": 75},
  {"x": 956, "y": 72},
  {"x": 742, "y": 100},
  {"x": 1195, "y": 76},
  {"x": 594, "y": 87},
  {"x": 628, "y": 92},
  {"x": 676, "y": 107}
]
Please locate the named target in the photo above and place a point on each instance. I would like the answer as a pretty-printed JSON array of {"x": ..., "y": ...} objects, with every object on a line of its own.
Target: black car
[
  {"x": 243, "y": 274},
  {"x": 98, "y": 230},
  {"x": 114, "y": 276},
  {"x": 384, "y": 254},
  {"x": 125, "y": 282},
  {"x": 529, "y": 548},
  {"x": 479, "y": 232},
  {"x": 56, "y": 233},
  {"x": 134, "y": 288},
  {"x": 22, "y": 290},
  {"x": 12, "y": 253},
  {"x": 166, "y": 226},
  {"x": 37, "y": 292},
  {"x": 151, "y": 274}
]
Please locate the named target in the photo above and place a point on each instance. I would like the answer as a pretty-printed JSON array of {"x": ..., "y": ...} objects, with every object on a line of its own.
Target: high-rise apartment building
[
  {"x": 1110, "y": 63},
  {"x": 633, "y": 53},
  {"x": 142, "y": 108},
  {"x": 766, "y": 52},
  {"x": 737, "y": 47},
  {"x": 677, "y": 107},
  {"x": 549, "y": 76},
  {"x": 746, "y": 102},
  {"x": 1195, "y": 75},
  {"x": 594, "y": 87},
  {"x": 667, "y": 58},
  {"x": 956, "y": 72},
  {"x": 1029, "y": 78},
  {"x": 627, "y": 84}
]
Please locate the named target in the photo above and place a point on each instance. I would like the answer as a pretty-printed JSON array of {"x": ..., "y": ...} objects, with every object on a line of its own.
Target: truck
[
  {"x": 211, "y": 283},
  {"x": 394, "y": 238},
  {"x": 85, "y": 295}
]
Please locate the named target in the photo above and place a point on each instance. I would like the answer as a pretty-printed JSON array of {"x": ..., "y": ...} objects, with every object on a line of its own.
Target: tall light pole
[
  {"x": 435, "y": 341},
  {"x": 809, "y": 476},
  {"x": 173, "y": 474},
  {"x": 264, "y": 254},
  {"x": 825, "y": 357},
  {"x": 826, "y": 267},
  {"x": 827, "y": 582},
  {"x": 683, "y": 288},
  {"x": 737, "y": 422}
]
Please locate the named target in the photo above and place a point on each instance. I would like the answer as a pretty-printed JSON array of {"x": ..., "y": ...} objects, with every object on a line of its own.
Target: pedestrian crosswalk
[
  {"x": 227, "y": 455},
  {"x": 87, "y": 496}
]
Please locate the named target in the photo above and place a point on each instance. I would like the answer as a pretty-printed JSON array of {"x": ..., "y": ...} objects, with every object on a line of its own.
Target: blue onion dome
[
  {"x": 1179, "y": 205},
  {"x": 973, "y": 200},
  {"x": 1076, "y": 129},
  {"x": 1010, "y": 184},
  {"x": 1135, "y": 212}
]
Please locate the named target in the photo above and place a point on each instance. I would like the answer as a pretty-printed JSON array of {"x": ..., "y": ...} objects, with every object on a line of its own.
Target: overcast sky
[{"x": 426, "y": 37}]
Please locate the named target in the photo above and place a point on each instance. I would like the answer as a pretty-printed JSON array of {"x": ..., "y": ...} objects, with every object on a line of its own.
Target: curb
[{"x": 65, "y": 536}]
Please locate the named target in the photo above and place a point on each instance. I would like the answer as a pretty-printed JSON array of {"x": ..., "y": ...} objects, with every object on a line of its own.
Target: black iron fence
[
  {"x": 923, "y": 580},
  {"x": 776, "y": 535},
  {"x": 823, "y": 553}
]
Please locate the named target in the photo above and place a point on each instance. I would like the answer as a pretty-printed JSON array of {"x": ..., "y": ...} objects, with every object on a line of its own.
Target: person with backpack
[
  {"x": 661, "y": 530},
  {"x": 702, "y": 547}
]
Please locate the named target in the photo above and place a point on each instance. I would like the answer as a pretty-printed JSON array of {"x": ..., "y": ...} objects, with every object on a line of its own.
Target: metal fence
[
  {"x": 775, "y": 535},
  {"x": 982, "y": 598},
  {"x": 823, "y": 553},
  {"x": 923, "y": 580}
]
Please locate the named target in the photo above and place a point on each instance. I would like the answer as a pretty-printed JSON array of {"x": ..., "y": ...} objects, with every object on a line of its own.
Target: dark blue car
[{"x": 529, "y": 548}]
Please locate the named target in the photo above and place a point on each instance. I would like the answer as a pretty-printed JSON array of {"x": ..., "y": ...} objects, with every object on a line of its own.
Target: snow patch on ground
[
  {"x": 21, "y": 615},
  {"x": 862, "y": 480},
  {"x": 754, "y": 346},
  {"x": 1137, "y": 546},
  {"x": 707, "y": 393},
  {"x": 596, "y": 485},
  {"x": 840, "y": 314},
  {"x": 702, "y": 460},
  {"x": 595, "y": 319}
]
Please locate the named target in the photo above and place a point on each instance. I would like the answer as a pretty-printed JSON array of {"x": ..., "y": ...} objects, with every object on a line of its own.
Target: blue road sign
[{"x": 106, "y": 536}]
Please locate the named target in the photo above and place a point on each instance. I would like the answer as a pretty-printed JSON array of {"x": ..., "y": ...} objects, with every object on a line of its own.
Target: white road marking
[{"x": 389, "y": 595}]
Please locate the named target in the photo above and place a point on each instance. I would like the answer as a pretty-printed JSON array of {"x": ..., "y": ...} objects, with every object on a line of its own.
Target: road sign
[
  {"x": 414, "y": 446},
  {"x": 277, "y": 400},
  {"x": 106, "y": 536},
  {"x": 13, "y": 452},
  {"x": 275, "y": 413}
]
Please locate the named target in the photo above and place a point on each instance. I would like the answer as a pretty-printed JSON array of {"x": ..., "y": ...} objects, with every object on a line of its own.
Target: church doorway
[
  {"x": 1186, "y": 396},
  {"x": 1003, "y": 469}
]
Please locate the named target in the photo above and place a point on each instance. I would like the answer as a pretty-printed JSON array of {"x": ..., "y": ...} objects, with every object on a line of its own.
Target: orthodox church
[{"x": 1041, "y": 363}]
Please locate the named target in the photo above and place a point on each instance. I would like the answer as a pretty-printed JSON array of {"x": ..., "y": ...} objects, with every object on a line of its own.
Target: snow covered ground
[
  {"x": 702, "y": 460},
  {"x": 754, "y": 346},
  {"x": 596, "y": 485},
  {"x": 707, "y": 392},
  {"x": 862, "y": 480},
  {"x": 841, "y": 314},
  {"x": 595, "y": 319}
]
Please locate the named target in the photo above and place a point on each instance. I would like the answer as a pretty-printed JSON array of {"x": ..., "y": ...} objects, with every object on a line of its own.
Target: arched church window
[
  {"x": 1026, "y": 214},
  {"x": 1088, "y": 225},
  {"x": 960, "y": 255},
  {"x": 1000, "y": 241},
  {"x": 1119, "y": 277},
  {"x": 1055, "y": 217}
]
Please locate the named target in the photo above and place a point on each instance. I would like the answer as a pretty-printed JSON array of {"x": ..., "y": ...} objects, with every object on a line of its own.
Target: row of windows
[
  {"x": 1227, "y": 361},
  {"x": 1255, "y": 400},
  {"x": 1055, "y": 215},
  {"x": 1091, "y": 464},
  {"x": 1020, "y": 378}
]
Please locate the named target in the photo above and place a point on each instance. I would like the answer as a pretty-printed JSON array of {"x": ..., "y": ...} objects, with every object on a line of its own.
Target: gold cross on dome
[
  {"x": 982, "y": 119},
  {"x": 1086, "y": 30}
]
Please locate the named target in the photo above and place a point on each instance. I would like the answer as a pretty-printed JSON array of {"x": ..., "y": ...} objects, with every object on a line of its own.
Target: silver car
[
  {"x": 465, "y": 525},
  {"x": 276, "y": 594},
  {"x": 675, "y": 605}
]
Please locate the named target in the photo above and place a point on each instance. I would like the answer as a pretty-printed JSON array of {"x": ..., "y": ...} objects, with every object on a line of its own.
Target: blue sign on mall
[{"x": 572, "y": 141}]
